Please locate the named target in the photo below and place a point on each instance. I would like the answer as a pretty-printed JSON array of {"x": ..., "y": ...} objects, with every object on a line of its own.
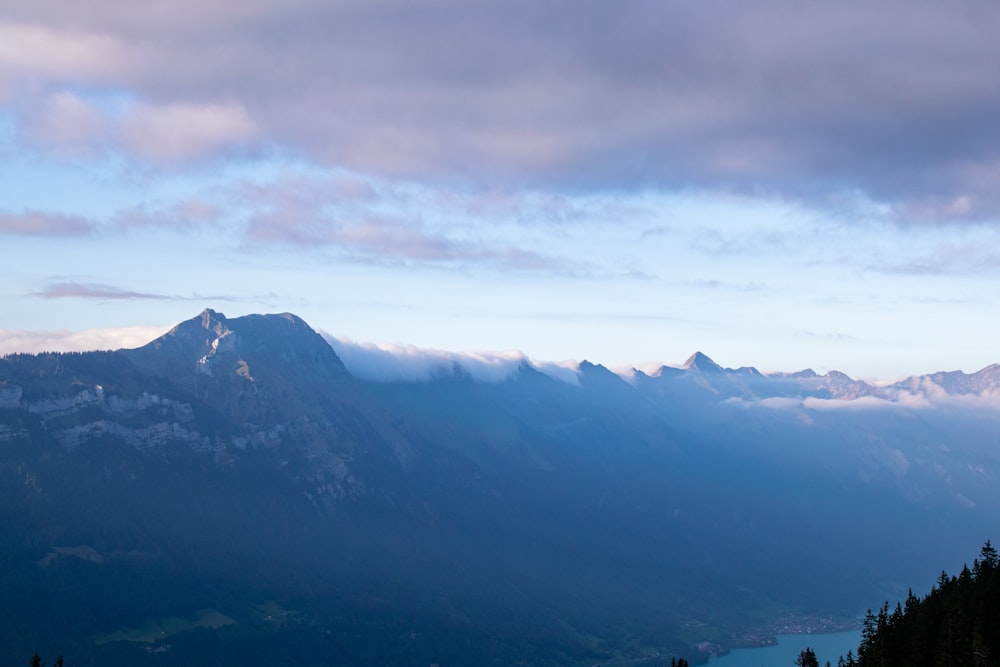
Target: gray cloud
[
  {"x": 894, "y": 100},
  {"x": 41, "y": 223}
]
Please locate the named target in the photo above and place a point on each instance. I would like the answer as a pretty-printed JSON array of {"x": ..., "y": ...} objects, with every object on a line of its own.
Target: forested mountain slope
[{"x": 957, "y": 623}]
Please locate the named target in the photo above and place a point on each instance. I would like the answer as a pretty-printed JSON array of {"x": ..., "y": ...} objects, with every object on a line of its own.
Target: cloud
[
  {"x": 66, "y": 123},
  {"x": 379, "y": 362},
  {"x": 369, "y": 222},
  {"x": 71, "y": 290},
  {"x": 41, "y": 223},
  {"x": 772, "y": 402},
  {"x": 954, "y": 258},
  {"x": 826, "y": 335},
  {"x": 862, "y": 403},
  {"x": 387, "y": 363},
  {"x": 930, "y": 397},
  {"x": 100, "y": 292},
  {"x": 182, "y": 131},
  {"x": 722, "y": 285},
  {"x": 772, "y": 99},
  {"x": 32, "y": 342},
  {"x": 184, "y": 214},
  {"x": 389, "y": 239},
  {"x": 32, "y": 51},
  {"x": 565, "y": 371}
]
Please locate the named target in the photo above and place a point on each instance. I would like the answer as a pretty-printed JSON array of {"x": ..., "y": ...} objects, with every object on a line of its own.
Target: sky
[{"x": 783, "y": 184}]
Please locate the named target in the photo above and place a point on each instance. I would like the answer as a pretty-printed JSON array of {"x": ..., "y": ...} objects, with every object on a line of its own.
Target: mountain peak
[
  {"x": 701, "y": 362},
  {"x": 274, "y": 346},
  {"x": 668, "y": 371},
  {"x": 195, "y": 334}
]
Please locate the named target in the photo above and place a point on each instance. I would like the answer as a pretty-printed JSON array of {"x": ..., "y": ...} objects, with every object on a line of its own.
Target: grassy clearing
[
  {"x": 157, "y": 629},
  {"x": 83, "y": 552}
]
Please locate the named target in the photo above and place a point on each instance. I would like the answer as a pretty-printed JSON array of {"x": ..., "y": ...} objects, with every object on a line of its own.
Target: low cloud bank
[
  {"x": 32, "y": 342},
  {"x": 930, "y": 396},
  {"x": 381, "y": 362}
]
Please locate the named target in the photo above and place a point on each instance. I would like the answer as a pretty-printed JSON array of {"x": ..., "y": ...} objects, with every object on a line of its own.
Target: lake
[{"x": 828, "y": 647}]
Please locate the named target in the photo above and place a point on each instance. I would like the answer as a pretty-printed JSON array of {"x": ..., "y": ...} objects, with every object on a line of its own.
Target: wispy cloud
[
  {"x": 71, "y": 290},
  {"x": 393, "y": 239},
  {"x": 41, "y": 223},
  {"x": 828, "y": 335},
  {"x": 186, "y": 214},
  {"x": 747, "y": 241},
  {"x": 101, "y": 292},
  {"x": 953, "y": 258},
  {"x": 726, "y": 286},
  {"x": 377, "y": 223}
]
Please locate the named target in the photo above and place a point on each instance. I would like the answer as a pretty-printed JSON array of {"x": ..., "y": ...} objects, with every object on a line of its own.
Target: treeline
[{"x": 957, "y": 623}]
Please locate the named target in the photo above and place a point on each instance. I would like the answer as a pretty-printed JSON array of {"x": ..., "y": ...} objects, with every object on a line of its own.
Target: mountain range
[{"x": 231, "y": 491}]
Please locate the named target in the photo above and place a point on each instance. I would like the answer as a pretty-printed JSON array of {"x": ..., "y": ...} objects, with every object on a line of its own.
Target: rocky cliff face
[{"x": 225, "y": 386}]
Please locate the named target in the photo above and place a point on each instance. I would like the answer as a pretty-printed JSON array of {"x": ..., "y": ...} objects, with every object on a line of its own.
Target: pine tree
[
  {"x": 849, "y": 661},
  {"x": 807, "y": 658},
  {"x": 956, "y": 625}
]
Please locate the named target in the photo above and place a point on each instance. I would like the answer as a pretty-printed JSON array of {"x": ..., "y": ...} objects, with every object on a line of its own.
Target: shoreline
[{"x": 782, "y": 648}]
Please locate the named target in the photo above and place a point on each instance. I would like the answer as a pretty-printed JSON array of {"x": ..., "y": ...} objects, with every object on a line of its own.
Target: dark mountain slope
[{"x": 234, "y": 465}]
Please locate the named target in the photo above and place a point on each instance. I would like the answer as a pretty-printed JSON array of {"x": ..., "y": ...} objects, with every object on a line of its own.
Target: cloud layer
[
  {"x": 894, "y": 101},
  {"x": 391, "y": 363},
  {"x": 32, "y": 342}
]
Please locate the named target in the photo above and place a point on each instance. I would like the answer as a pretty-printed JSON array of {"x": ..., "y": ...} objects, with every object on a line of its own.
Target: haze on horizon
[{"x": 782, "y": 185}]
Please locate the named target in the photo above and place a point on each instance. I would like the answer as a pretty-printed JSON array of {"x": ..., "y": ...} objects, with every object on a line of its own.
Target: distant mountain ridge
[
  {"x": 236, "y": 463},
  {"x": 749, "y": 383},
  {"x": 701, "y": 375}
]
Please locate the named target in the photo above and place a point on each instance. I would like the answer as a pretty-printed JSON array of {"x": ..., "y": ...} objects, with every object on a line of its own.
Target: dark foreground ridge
[{"x": 230, "y": 493}]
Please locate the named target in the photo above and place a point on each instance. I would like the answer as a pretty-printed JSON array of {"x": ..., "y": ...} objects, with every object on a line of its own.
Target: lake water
[{"x": 828, "y": 647}]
